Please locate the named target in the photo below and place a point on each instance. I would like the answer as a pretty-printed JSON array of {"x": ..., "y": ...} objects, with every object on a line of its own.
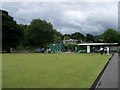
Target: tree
[
  {"x": 89, "y": 38},
  {"x": 40, "y": 33},
  {"x": 57, "y": 37},
  {"x": 78, "y": 36},
  {"x": 23, "y": 29},
  {"x": 11, "y": 35},
  {"x": 98, "y": 39},
  {"x": 111, "y": 36},
  {"x": 66, "y": 36}
]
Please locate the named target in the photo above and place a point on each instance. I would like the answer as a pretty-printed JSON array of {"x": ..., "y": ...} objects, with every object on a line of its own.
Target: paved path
[{"x": 109, "y": 78}]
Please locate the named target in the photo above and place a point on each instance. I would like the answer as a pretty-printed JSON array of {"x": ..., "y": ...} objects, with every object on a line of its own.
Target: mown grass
[{"x": 51, "y": 70}]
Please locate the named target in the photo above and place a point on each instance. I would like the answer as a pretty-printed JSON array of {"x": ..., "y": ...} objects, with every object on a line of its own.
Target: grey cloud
[{"x": 68, "y": 17}]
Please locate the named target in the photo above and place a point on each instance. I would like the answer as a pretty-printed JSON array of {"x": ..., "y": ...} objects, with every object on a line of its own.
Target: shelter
[{"x": 88, "y": 45}]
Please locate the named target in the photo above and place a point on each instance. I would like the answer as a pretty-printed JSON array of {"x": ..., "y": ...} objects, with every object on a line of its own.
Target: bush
[{"x": 82, "y": 51}]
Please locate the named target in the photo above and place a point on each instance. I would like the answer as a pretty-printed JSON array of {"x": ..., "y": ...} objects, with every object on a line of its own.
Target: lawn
[{"x": 51, "y": 70}]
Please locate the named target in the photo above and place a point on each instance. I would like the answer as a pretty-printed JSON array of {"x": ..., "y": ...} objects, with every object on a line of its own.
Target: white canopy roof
[{"x": 88, "y": 44}]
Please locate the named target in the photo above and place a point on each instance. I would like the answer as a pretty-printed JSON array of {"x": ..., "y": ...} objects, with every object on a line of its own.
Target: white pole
[{"x": 88, "y": 49}]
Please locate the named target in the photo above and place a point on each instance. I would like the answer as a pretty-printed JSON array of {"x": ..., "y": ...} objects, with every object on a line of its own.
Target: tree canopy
[
  {"x": 78, "y": 36},
  {"x": 40, "y": 33},
  {"x": 57, "y": 37},
  {"x": 89, "y": 38},
  {"x": 111, "y": 36},
  {"x": 11, "y": 35}
]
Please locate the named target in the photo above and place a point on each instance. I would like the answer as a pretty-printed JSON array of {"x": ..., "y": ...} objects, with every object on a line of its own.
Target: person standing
[
  {"x": 101, "y": 50},
  {"x": 49, "y": 51},
  {"x": 42, "y": 50},
  {"x": 108, "y": 51}
]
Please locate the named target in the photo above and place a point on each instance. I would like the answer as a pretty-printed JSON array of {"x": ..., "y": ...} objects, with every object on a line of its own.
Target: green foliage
[
  {"x": 23, "y": 36},
  {"x": 11, "y": 34},
  {"x": 57, "y": 37},
  {"x": 66, "y": 36},
  {"x": 70, "y": 47},
  {"x": 40, "y": 33},
  {"x": 77, "y": 36},
  {"x": 111, "y": 36},
  {"x": 89, "y": 38},
  {"x": 98, "y": 39}
]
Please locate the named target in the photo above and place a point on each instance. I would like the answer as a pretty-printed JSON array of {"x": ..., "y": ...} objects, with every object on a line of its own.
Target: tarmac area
[{"x": 109, "y": 80}]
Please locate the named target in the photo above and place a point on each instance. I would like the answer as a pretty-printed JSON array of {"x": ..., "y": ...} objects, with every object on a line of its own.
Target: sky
[{"x": 67, "y": 17}]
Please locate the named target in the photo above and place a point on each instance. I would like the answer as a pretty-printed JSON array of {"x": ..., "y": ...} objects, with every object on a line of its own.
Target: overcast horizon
[{"x": 67, "y": 17}]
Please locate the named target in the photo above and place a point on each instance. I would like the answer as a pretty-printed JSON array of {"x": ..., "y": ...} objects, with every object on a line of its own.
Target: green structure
[{"x": 57, "y": 47}]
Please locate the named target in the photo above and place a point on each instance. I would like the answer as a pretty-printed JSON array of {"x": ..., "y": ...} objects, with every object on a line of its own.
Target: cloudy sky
[{"x": 67, "y": 17}]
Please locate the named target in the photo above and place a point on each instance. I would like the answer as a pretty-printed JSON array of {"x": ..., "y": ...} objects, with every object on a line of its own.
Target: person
[
  {"x": 42, "y": 50},
  {"x": 93, "y": 49},
  {"x": 12, "y": 50},
  {"x": 108, "y": 50},
  {"x": 49, "y": 51},
  {"x": 101, "y": 50}
]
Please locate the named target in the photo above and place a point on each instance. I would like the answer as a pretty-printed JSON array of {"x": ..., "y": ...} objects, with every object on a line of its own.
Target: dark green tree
[
  {"x": 57, "y": 37},
  {"x": 39, "y": 33},
  {"x": 23, "y": 29},
  {"x": 78, "y": 36},
  {"x": 111, "y": 36},
  {"x": 11, "y": 35},
  {"x": 89, "y": 38}
]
